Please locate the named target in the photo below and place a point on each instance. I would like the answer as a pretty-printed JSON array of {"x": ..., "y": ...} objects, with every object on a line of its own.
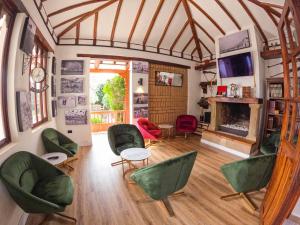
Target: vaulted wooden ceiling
[{"x": 182, "y": 28}]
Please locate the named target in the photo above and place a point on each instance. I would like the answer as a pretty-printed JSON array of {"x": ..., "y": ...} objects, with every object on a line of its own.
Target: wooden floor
[{"x": 103, "y": 197}]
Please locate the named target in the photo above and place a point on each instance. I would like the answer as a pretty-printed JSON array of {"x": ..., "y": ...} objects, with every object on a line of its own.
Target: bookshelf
[{"x": 275, "y": 105}]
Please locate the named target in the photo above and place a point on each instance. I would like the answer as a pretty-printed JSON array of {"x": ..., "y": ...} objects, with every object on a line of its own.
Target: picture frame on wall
[
  {"x": 72, "y": 67},
  {"x": 53, "y": 65},
  {"x": 140, "y": 98},
  {"x": 76, "y": 117},
  {"x": 168, "y": 79},
  {"x": 53, "y": 86},
  {"x": 140, "y": 112},
  {"x": 24, "y": 110},
  {"x": 234, "y": 42},
  {"x": 81, "y": 100},
  {"x": 140, "y": 67},
  {"x": 54, "y": 108},
  {"x": 66, "y": 101},
  {"x": 72, "y": 85},
  {"x": 28, "y": 36}
]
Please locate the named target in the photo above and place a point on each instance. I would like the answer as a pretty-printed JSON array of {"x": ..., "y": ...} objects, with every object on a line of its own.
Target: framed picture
[
  {"x": 76, "y": 117},
  {"x": 28, "y": 36},
  {"x": 54, "y": 108},
  {"x": 53, "y": 86},
  {"x": 234, "y": 41},
  {"x": 24, "y": 110},
  {"x": 66, "y": 101},
  {"x": 140, "y": 98},
  {"x": 72, "y": 67},
  {"x": 140, "y": 112},
  {"x": 81, "y": 100},
  {"x": 140, "y": 67},
  {"x": 53, "y": 66},
  {"x": 168, "y": 79},
  {"x": 71, "y": 85}
]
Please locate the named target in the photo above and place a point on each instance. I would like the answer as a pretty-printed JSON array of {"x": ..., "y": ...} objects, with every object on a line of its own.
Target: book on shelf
[
  {"x": 272, "y": 106},
  {"x": 270, "y": 122}
]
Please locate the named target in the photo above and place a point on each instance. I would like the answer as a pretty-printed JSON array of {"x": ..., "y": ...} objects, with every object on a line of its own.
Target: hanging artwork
[
  {"x": 24, "y": 110},
  {"x": 76, "y": 117},
  {"x": 140, "y": 67},
  {"x": 72, "y": 67},
  {"x": 54, "y": 108},
  {"x": 71, "y": 85},
  {"x": 234, "y": 41},
  {"x": 140, "y": 112},
  {"x": 66, "y": 101},
  {"x": 53, "y": 65},
  {"x": 53, "y": 87},
  {"x": 81, "y": 100}
]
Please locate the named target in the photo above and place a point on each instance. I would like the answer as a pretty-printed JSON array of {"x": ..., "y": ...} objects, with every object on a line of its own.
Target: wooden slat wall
[{"x": 165, "y": 102}]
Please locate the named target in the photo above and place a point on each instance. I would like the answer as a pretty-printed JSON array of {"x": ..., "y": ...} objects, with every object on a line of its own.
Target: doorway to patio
[{"x": 109, "y": 93}]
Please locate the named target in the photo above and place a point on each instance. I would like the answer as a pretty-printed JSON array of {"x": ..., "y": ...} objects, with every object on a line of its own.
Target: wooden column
[{"x": 254, "y": 121}]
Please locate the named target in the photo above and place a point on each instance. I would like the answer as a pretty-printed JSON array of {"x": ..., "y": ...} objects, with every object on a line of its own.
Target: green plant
[
  {"x": 114, "y": 93},
  {"x": 96, "y": 120}
]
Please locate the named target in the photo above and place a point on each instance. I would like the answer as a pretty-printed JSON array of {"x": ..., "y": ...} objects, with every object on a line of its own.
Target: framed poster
[
  {"x": 76, "y": 117},
  {"x": 168, "y": 79},
  {"x": 81, "y": 100},
  {"x": 72, "y": 67},
  {"x": 54, "y": 108},
  {"x": 71, "y": 85},
  {"x": 24, "y": 110},
  {"x": 234, "y": 41},
  {"x": 140, "y": 67},
  {"x": 66, "y": 101}
]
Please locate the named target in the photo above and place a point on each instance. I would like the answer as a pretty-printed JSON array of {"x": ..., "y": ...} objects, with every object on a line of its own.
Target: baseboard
[
  {"x": 225, "y": 149},
  {"x": 23, "y": 219}
]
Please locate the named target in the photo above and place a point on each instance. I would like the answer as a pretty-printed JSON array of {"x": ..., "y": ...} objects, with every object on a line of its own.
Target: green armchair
[
  {"x": 249, "y": 175},
  {"x": 270, "y": 144},
  {"x": 124, "y": 136},
  {"x": 54, "y": 141},
  {"x": 165, "y": 178},
  {"x": 36, "y": 185}
]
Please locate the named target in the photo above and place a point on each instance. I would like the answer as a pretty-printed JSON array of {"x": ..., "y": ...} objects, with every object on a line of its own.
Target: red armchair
[
  {"x": 148, "y": 129},
  {"x": 186, "y": 124}
]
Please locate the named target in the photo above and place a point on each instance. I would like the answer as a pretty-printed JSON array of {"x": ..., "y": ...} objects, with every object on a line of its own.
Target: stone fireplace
[{"x": 234, "y": 123}]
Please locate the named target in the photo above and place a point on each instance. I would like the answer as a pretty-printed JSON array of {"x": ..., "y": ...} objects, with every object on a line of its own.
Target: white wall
[{"x": 21, "y": 141}]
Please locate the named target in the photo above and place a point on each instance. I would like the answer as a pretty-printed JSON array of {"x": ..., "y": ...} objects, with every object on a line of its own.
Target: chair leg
[
  {"x": 185, "y": 135},
  {"x": 116, "y": 163},
  {"x": 246, "y": 199},
  {"x": 230, "y": 196},
  {"x": 168, "y": 206},
  {"x": 67, "y": 217}
]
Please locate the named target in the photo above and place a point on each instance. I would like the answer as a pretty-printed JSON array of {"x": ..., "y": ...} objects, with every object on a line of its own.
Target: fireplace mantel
[{"x": 236, "y": 100}]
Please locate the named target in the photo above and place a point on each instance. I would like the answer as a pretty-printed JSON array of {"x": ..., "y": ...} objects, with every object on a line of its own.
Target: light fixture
[{"x": 140, "y": 88}]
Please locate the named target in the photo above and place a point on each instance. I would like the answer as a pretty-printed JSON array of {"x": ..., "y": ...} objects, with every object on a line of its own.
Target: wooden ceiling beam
[
  {"x": 77, "y": 34},
  {"x": 193, "y": 28},
  {"x": 187, "y": 45},
  {"x": 207, "y": 49},
  {"x": 179, "y": 36},
  {"x": 266, "y": 7},
  {"x": 228, "y": 14},
  {"x": 113, "y": 31},
  {"x": 208, "y": 16},
  {"x": 254, "y": 21},
  {"x": 137, "y": 17},
  {"x": 202, "y": 28},
  {"x": 95, "y": 28},
  {"x": 65, "y": 9},
  {"x": 85, "y": 16},
  {"x": 153, "y": 20},
  {"x": 168, "y": 24},
  {"x": 67, "y": 21}
]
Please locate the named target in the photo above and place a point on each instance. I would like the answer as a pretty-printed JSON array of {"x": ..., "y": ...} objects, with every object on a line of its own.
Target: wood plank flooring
[{"x": 103, "y": 197}]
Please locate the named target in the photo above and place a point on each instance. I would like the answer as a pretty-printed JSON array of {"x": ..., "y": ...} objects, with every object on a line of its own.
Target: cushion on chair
[
  {"x": 51, "y": 134},
  {"x": 72, "y": 147},
  {"x": 28, "y": 180},
  {"x": 123, "y": 139},
  {"x": 58, "y": 189}
]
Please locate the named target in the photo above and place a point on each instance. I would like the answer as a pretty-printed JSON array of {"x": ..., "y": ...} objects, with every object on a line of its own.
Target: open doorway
[{"x": 109, "y": 98}]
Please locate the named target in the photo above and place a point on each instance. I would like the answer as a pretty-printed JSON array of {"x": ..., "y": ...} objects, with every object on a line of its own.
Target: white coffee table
[
  {"x": 134, "y": 154},
  {"x": 168, "y": 127},
  {"x": 57, "y": 159}
]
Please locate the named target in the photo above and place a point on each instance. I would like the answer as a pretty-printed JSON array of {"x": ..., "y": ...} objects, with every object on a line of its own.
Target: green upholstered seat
[
  {"x": 270, "y": 144},
  {"x": 54, "y": 141},
  {"x": 165, "y": 178},
  {"x": 124, "y": 136},
  {"x": 36, "y": 185}
]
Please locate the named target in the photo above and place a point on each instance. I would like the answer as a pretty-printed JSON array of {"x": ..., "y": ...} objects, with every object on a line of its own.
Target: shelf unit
[{"x": 274, "y": 105}]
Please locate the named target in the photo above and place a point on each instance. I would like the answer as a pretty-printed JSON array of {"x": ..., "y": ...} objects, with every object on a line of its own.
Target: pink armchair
[
  {"x": 148, "y": 129},
  {"x": 186, "y": 124}
]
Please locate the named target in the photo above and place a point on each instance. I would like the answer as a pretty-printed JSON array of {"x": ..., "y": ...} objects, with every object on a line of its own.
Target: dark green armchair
[
  {"x": 163, "y": 179},
  {"x": 270, "y": 144},
  {"x": 54, "y": 141},
  {"x": 124, "y": 136},
  {"x": 36, "y": 185},
  {"x": 249, "y": 175}
]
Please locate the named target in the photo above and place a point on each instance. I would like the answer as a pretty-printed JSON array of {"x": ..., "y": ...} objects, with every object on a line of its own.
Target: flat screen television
[{"x": 236, "y": 65}]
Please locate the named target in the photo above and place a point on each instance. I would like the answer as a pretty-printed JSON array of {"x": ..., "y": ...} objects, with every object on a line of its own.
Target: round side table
[
  {"x": 168, "y": 127},
  {"x": 57, "y": 159}
]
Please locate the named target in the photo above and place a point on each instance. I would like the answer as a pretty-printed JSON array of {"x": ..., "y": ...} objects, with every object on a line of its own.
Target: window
[
  {"x": 7, "y": 15},
  {"x": 38, "y": 99}
]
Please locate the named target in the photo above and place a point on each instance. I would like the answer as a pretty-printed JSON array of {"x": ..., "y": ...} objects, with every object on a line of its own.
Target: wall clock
[{"x": 38, "y": 74}]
